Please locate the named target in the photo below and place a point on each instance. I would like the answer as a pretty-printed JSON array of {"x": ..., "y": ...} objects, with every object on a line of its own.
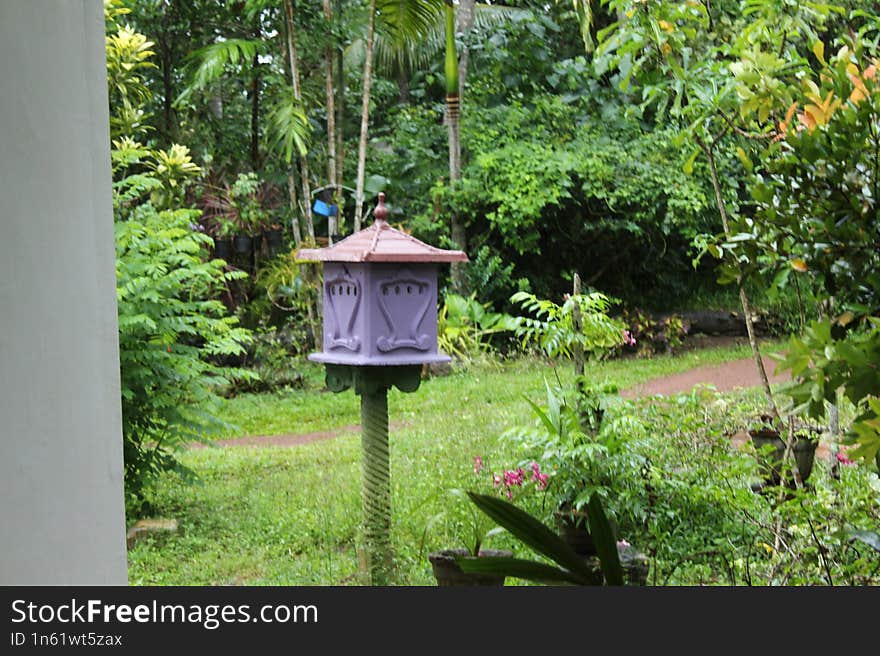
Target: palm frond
[
  {"x": 289, "y": 129},
  {"x": 584, "y": 11},
  {"x": 423, "y": 46},
  {"x": 402, "y": 21},
  {"x": 211, "y": 61}
]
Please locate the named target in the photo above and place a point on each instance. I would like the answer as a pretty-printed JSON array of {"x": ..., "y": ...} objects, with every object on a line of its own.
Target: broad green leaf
[
  {"x": 603, "y": 538},
  {"x": 532, "y": 532},
  {"x": 517, "y": 568},
  {"x": 819, "y": 51}
]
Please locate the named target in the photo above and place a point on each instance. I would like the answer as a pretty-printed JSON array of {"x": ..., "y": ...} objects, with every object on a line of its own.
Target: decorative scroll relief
[
  {"x": 404, "y": 302},
  {"x": 344, "y": 294}
]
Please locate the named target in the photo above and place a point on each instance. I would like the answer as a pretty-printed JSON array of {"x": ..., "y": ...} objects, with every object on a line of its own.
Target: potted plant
[
  {"x": 770, "y": 446},
  {"x": 239, "y": 210},
  {"x": 221, "y": 215},
  {"x": 245, "y": 192},
  {"x": 274, "y": 238},
  {"x": 615, "y": 563},
  {"x": 584, "y": 444},
  {"x": 223, "y": 231},
  {"x": 475, "y": 527}
]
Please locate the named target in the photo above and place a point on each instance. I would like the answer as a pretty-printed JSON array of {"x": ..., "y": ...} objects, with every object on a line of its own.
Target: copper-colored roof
[{"x": 380, "y": 243}]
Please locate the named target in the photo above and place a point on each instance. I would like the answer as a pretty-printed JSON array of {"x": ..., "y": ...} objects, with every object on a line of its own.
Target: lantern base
[
  {"x": 379, "y": 363},
  {"x": 369, "y": 380}
]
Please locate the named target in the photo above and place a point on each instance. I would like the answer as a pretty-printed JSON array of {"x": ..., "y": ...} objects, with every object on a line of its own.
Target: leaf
[
  {"x": 376, "y": 183},
  {"x": 746, "y": 162},
  {"x": 542, "y": 416},
  {"x": 799, "y": 265},
  {"x": 517, "y": 568},
  {"x": 845, "y": 318},
  {"x": 689, "y": 164},
  {"x": 531, "y": 532},
  {"x": 819, "y": 51},
  {"x": 603, "y": 538}
]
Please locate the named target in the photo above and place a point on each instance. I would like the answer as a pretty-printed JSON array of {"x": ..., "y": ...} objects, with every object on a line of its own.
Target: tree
[
  {"x": 293, "y": 62},
  {"x": 365, "y": 116},
  {"x": 170, "y": 327},
  {"x": 683, "y": 58},
  {"x": 815, "y": 191},
  {"x": 330, "y": 92}
]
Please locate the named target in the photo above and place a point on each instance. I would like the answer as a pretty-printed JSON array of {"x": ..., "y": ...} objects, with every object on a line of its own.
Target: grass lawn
[{"x": 291, "y": 515}]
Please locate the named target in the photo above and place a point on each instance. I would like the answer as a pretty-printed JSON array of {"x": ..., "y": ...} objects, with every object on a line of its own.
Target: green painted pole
[
  {"x": 372, "y": 385},
  {"x": 376, "y": 483}
]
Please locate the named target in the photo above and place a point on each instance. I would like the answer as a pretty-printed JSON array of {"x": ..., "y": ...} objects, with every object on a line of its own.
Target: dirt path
[{"x": 724, "y": 377}]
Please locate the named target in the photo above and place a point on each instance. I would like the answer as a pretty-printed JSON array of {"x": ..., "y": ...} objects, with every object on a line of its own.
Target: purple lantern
[
  {"x": 380, "y": 327},
  {"x": 380, "y": 297}
]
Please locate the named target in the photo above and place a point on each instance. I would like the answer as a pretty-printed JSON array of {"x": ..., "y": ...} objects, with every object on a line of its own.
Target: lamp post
[{"x": 380, "y": 327}]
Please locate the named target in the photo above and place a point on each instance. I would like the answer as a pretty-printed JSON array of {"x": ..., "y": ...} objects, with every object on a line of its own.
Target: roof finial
[{"x": 381, "y": 211}]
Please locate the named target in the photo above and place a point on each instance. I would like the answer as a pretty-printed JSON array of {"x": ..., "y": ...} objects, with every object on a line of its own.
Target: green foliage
[
  {"x": 586, "y": 446},
  {"x": 489, "y": 273},
  {"x": 171, "y": 330},
  {"x": 822, "y": 363},
  {"x": 289, "y": 128},
  {"x": 211, "y": 62},
  {"x": 557, "y": 176},
  {"x": 272, "y": 356},
  {"x": 816, "y": 199},
  {"x": 169, "y": 333},
  {"x": 465, "y": 326},
  {"x": 649, "y": 336},
  {"x": 552, "y": 331},
  {"x": 572, "y": 568},
  {"x": 128, "y": 57}
]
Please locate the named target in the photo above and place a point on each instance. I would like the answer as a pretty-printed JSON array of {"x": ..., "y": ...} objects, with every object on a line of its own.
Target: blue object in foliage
[{"x": 322, "y": 208}]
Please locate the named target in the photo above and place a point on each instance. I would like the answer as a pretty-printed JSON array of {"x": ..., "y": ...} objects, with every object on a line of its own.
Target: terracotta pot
[{"x": 448, "y": 573}]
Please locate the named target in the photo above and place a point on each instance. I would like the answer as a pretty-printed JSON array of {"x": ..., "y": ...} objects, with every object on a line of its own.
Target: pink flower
[
  {"x": 478, "y": 465},
  {"x": 541, "y": 481},
  {"x": 622, "y": 544},
  {"x": 843, "y": 460},
  {"x": 628, "y": 338},
  {"x": 496, "y": 479},
  {"x": 514, "y": 477}
]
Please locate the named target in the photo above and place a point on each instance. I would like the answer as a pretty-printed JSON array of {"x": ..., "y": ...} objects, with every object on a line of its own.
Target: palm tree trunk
[
  {"x": 340, "y": 117},
  {"x": 453, "y": 126},
  {"x": 297, "y": 93},
  {"x": 255, "y": 111},
  {"x": 310, "y": 275},
  {"x": 464, "y": 23},
  {"x": 365, "y": 119},
  {"x": 331, "y": 117},
  {"x": 294, "y": 218}
]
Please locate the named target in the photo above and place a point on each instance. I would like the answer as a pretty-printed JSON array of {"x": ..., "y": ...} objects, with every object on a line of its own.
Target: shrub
[{"x": 170, "y": 330}]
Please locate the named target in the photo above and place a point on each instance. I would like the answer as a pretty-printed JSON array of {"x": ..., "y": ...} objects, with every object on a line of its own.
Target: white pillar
[{"x": 61, "y": 505}]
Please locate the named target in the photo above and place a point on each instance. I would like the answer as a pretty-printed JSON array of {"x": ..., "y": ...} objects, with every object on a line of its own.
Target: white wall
[{"x": 61, "y": 506}]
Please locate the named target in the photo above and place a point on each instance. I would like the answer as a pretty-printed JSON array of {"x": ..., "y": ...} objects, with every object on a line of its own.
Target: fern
[{"x": 551, "y": 328}]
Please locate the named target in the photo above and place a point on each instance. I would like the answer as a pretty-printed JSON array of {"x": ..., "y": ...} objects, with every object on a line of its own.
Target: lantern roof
[{"x": 380, "y": 243}]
